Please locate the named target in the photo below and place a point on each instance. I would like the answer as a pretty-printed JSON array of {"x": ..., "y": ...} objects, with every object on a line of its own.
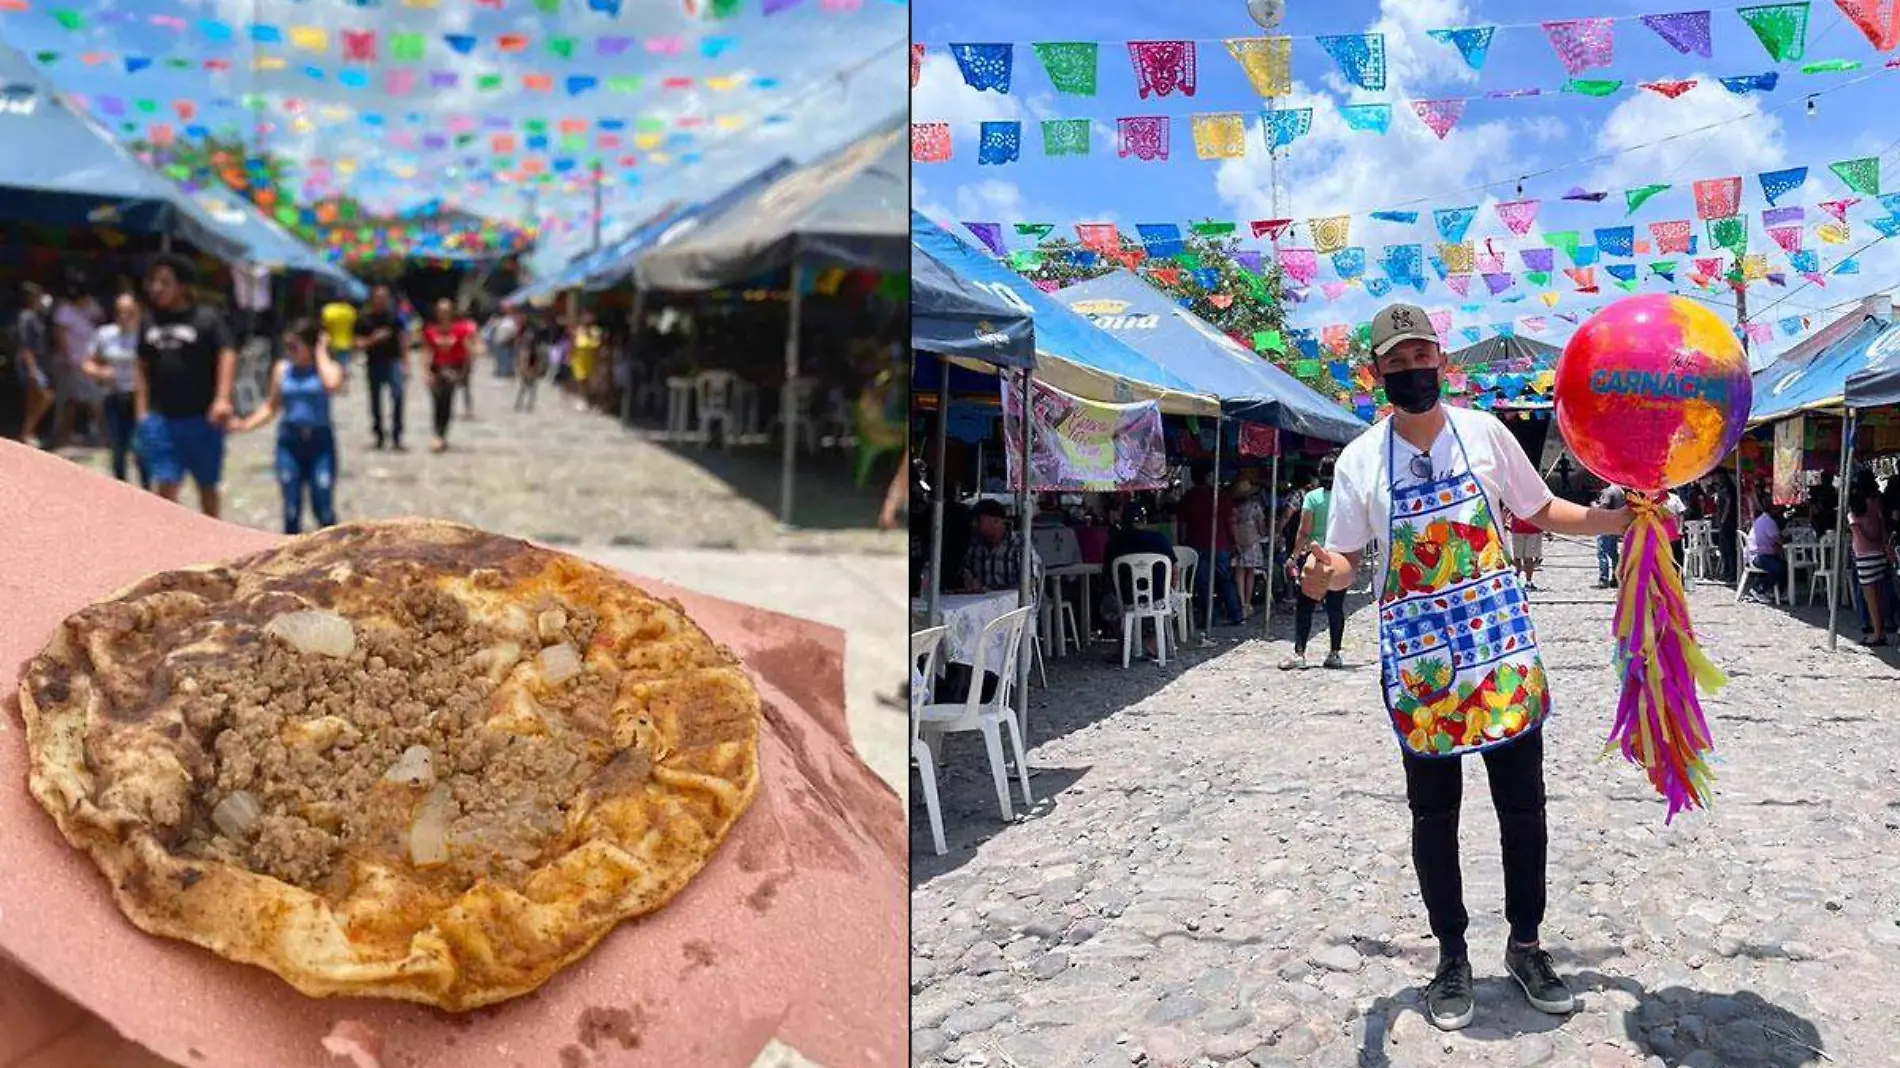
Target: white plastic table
[{"x": 964, "y": 617}]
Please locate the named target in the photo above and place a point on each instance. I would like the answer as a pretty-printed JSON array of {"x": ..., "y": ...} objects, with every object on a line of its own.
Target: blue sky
[
  {"x": 799, "y": 52},
  {"x": 1600, "y": 144}
]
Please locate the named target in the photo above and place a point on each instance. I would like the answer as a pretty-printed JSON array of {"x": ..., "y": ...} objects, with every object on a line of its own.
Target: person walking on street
[
  {"x": 531, "y": 363},
  {"x": 447, "y": 338},
  {"x": 300, "y": 389},
  {"x": 382, "y": 337},
  {"x": 187, "y": 367},
  {"x": 1250, "y": 538},
  {"x": 35, "y": 359},
  {"x": 1460, "y": 671},
  {"x": 1609, "y": 546},
  {"x": 1315, "y": 513},
  {"x": 503, "y": 340},
  {"x": 113, "y": 365}
]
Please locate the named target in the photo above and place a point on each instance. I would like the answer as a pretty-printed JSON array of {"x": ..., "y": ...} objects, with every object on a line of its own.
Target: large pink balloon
[{"x": 1652, "y": 392}]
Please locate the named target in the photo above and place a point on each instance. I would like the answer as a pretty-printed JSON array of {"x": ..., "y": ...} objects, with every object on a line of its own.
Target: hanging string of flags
[
  {"x": 1225, "y": 135},
  {"x": 1163, "y": 67},
  {"x": 75, "y": 18}
]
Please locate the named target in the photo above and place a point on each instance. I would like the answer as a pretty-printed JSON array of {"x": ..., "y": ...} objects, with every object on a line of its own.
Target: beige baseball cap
[{"x": 1400, "y": 322}]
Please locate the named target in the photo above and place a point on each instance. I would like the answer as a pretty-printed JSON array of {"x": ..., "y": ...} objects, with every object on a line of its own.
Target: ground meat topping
[{"x": 312, "y": 738}]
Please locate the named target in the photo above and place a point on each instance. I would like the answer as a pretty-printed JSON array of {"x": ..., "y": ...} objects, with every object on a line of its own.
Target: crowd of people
[{"x": 156, "y": 381}]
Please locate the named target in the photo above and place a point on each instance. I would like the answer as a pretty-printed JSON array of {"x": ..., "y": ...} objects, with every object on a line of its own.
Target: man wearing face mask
[{"x": 1460, "y": 673}]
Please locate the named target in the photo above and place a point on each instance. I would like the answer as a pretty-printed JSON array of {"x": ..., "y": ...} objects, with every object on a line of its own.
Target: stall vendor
[{"x": 1458, "y": 656}]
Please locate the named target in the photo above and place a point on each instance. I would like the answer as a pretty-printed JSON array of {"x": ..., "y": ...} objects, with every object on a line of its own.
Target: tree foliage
[{"x": 1239, "y": 303}]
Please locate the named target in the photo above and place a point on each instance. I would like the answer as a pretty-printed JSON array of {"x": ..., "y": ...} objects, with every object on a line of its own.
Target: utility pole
[
  {"x": 1740, "y": 286},
  {"x": 597, "y": 204}
]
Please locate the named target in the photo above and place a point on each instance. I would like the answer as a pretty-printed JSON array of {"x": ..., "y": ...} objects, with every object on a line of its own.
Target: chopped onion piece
[
  {"x": 560, "y": 663},
  {"x": 315, "y": 631},
  {"x": 549, "y": 624},
  {"x": 237, "y": 815},
  {"x": 428, "y": 835},
  {"x": 413, "y": 767}
]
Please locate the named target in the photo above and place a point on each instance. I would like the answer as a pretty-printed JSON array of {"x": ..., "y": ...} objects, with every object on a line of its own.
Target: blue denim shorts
[{"x": 173, "y": 447}]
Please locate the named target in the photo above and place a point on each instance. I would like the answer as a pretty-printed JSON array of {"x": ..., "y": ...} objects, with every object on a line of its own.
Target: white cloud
[
  {"x": 941, "y": 95},
  {"x": 1656, "y": 139}
]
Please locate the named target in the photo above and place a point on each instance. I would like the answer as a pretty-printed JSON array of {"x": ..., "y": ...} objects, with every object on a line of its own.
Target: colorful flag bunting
[
  {"x": 1300, "y": 264},
  {"x": 1832, "y": 233},
  {"x": 1361, "y": 58},
  {"x": 1144, "y": 137},
  {"x": 1593, "y": 86},
  {"x": 1070, "y": 65},
  {"x": 1617, "y": 240},
  {"x": 1375, "y": 118},
  {"x": 1162, "y": 240},
  {"x": 999, "y": 142},
  {"x": 1838, "y": 208},
  {"x": 1459, "y": 284},
  {"x": 929, "y": 142},
  {"x": 1472, "y": 42},
  {"x": 1877, "y": 20},
  {"x": 1730, "y": 233},
  {"x": 1330, "y": 234},
  {"x": 1406, "y": 218},
  {"x": 1743, "y": 84},
  {"x": 1439, "y": 115},
  {"x": 1271, "y": 229},
  {"x": 985, "y": 66},
  {"x": 1498, "y": 283},
  {"x": 1781, "y": 28},
  {"x": 1454, "y": 222},
  {"x": 1350, "y": 263},
  {"x": 1670, "y": 89},
  {"x": 1634, "y": 198},
  {"x": 1282, "y": 128},
  {"x": 1582, "y": 44},
  {"x": 1268, "y": 62},
  {"x": 1162, "y": 67},
  {"x": 1518, "y": 216},
  {"x": 1221, "y": 135},
  {"x": 1860, "y": 175},
  {"x": 1718, "y": 198},
  {"x": 916, "y": 60},
  {"x": 1065, "y": 137},
  {"x": 1686, "y": 31},
  {"x": 1777, "y": 184},
  {"x": 1538, "y": 259}
]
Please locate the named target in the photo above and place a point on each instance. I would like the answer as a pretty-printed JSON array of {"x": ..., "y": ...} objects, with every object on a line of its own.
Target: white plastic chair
[
  {"x": 1151, "y": 600},
  {"x": 1747, "y": 560},
  {"x": 715, "y": 394},
  {"x": 926, "y": 655},
  {"x": 1698, "y": 545},
  {"x": 1186, "y": 561},
  {"x": 1057, "y": 547},
  {"x": 991, "y": 717},
  {"x": 1823, "y": 578},
  {"x": 679, "y": 407}
]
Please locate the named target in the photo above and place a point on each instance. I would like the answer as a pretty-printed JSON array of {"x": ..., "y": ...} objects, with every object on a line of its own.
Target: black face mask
[{"x": 1414, "y": 390}]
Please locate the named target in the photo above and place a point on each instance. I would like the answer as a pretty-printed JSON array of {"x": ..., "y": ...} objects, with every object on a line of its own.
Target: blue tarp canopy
[
  {"x": 845, "y": 209},
  {"x": 576, "y": 270},
  {"x": 1785, "y": 388},
  {"x": 268, "y": 245},
  {"x": 1249, "y": 387},
  {"x": 618, "y": 265},
  {"x": 955, "y": 317},
  {"x": 1071, "y": 353},
  {"x": 1877, "y": 388},
  {"x": 58, "y": 168}
]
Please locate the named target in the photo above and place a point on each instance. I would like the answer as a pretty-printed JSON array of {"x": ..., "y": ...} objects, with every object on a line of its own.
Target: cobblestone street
[{"x": 1217, "y": 869}]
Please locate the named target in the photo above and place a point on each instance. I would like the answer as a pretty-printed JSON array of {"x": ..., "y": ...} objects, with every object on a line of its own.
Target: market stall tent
[
  {"x": 845, "y": 209},
  {"x": 954, "y": 317},
  {"x": 1250, "y": 389},
  {"x": 59, "y": 168},
  {"x": 1072, "y": 354},
  {"x": 1784, "y": 389},
  {"x": 622, "y": 261},
  {"x": 269, "y": 245}
]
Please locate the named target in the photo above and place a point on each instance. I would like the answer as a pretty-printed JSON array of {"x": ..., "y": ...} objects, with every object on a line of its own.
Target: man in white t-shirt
[{"x": 1460, "y": 672}]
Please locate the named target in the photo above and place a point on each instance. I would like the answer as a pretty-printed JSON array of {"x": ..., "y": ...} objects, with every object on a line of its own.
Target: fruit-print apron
[{"x": 1457, "y": 653}]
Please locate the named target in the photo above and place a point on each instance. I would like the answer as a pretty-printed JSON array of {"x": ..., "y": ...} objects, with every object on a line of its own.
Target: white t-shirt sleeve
[
  {"x": 1523, "y": 489},
  {"x": 1349, "y": 524}
]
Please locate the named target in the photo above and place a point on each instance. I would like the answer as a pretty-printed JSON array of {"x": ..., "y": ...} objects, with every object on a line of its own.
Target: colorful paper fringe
[{"x": 1659, "y": 722}]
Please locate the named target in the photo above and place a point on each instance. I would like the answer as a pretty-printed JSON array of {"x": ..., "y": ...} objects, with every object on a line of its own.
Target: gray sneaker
[
  {"x": 1335, "y": 661},
  {"x": 1537, "y": 974},
  {"x": 1296, "y": 662},
  {"x": 1448, "y": 1001}
]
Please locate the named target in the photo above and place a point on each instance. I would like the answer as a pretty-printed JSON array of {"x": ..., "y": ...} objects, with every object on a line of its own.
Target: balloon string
[{"x": 1659, "y": 724}]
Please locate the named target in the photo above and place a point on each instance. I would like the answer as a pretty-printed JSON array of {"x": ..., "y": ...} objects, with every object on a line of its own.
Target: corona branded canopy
[{"x": 1249, "y": 387}]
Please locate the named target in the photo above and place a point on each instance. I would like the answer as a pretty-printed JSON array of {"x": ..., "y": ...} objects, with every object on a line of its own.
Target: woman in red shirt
[{"x": 448, "y": 340}]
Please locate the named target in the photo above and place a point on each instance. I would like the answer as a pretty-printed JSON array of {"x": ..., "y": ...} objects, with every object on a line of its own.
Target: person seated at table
[
  {"x": 994, "y": 559},
  {"x": 1132, "y": 536},
  {"x": 1764, "y": 552},
  {"x": 1824, "y": 503}
]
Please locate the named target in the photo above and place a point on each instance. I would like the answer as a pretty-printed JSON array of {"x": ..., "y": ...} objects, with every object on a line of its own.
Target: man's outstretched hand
[{"x": 1318, "y": 576}]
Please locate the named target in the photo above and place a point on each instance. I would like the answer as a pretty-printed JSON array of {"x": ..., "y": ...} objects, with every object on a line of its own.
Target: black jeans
[
  {"x": 1433, "y": 789},
  {"x": 121, "y": 421},
  {"x": 1726, "y": 547},
  {"x": 1335, "y": 620},
  {"x": 386, "y": 374},
  {"x": 442, "y": 397}
]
